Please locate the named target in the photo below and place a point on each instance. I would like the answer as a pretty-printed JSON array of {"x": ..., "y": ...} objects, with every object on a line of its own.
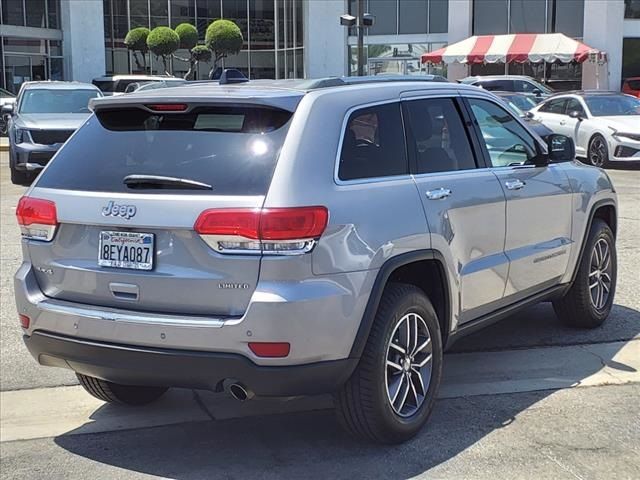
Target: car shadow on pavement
[{"x": 311, "y": 444}]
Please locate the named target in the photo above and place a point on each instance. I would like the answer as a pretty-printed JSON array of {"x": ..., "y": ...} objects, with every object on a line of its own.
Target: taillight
[
  {"x": 37, "y": 218},
  {"x": 168, "y": 107},
  {"x": 275, "y": 231}
]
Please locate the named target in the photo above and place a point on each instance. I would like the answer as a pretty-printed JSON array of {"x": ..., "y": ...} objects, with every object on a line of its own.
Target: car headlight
[
  {"x": 20, "y": 135},
  {"x": 624, "y": 135}
]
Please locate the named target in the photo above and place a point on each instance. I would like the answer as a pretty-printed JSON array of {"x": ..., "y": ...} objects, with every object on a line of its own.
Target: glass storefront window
[
  {"x": 56, "y": 69},
  {"x": 569, "y": 17},
  {"x": 630, "y": 57},
  {"x": 490, "y": 17},
  {"x": 262, "y": 26},
  {"x": 13, "y": 12},
  {"x": 528, "y": 16},
  {"x": 17, "y": 71},
  {"x": 386, "y": 17},
  {"x": 438, "y": 16},
  {"x": 139, "y": 13},
  {"x": 236, "y": 11},
  {"x": 26, "y": 45},
  {"x": 263, "y": 65},
  {"x": 53, "y": 9},
  {"x": 631, "y": 8},
  {"x": 36, "y": 12},
  {"x": 159, "y": 10},
  {"x": 182, "y": 11},
  {"x": 413, "y": 16}
]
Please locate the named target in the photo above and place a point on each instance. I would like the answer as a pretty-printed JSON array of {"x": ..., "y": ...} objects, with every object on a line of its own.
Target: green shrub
[
  {"x": 136, "y": 39},
  {"x": 223, "y": 37},
  {"x": 188, "y": 35},
  {"x": 201, "y": 53},
  {"x": 162, "y": 41}
]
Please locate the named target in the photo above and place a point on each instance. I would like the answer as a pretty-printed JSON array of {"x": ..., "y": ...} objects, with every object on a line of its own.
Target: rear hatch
[{"x": 128, "y": 189}]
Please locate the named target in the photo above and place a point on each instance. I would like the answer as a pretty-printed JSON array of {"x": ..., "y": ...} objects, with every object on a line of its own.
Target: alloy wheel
[
  {"x": 600, "y": 270},
  {"x": 598, "y": 152},
  {"x": 409, "y": 365}
]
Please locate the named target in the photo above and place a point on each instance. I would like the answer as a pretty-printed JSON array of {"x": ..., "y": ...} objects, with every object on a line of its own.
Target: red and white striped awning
[{"x": 520, "y": 47}]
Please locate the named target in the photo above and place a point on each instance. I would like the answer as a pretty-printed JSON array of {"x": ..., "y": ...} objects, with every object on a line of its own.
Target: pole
[{"x": 360, "y": 28}]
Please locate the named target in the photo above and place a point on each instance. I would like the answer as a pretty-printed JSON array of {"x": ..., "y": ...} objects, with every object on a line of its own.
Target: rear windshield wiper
[{"x": 159, "y": 181}]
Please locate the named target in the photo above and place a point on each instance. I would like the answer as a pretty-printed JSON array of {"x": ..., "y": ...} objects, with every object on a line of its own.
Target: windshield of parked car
[
  {"x": 41, "y": 100},
  {"x": 523, "y": 102},
  {"x": 613, "y": 105}
]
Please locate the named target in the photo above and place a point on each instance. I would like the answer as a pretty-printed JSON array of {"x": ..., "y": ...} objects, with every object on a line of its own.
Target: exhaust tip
[{"x": 240, "y": 392}]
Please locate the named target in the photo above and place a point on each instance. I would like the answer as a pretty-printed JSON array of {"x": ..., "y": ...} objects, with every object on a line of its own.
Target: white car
[{"x": 605, "y": 126}]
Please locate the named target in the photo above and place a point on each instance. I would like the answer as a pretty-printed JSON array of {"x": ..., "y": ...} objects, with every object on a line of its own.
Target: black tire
[
  {"x": 120, "y": 394},
  {"x": 364, "y": 405},
  {"x": 21, "y": 178},
  {"x": 578, "y": 307},
  {"x": 598, "y": 152}
]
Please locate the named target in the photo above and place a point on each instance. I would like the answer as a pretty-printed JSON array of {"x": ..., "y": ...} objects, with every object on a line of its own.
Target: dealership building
[{"x": 83, "y": 39}]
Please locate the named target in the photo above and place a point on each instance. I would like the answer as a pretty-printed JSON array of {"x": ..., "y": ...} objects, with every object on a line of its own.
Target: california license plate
[{"x": 131, "y": 250}]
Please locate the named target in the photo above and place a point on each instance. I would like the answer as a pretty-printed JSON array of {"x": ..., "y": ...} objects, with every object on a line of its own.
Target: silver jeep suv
[{"x": 303, "y": 237}]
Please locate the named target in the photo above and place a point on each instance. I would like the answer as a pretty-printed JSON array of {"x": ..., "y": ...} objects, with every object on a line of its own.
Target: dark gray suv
[{"x": 304, "y": 237}]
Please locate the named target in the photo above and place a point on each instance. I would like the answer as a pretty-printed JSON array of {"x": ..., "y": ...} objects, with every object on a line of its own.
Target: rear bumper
[{"x": 132, "y": 365}]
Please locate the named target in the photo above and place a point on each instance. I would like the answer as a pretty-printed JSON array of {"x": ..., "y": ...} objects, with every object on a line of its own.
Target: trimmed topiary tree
[
  {"x": 223, "y": 38},
  {"x": 163, "y": 42},
  {"x": 136, "y": 41},
  {"x": 199, "y": 53},
  {"x": 189, "y": 40}
]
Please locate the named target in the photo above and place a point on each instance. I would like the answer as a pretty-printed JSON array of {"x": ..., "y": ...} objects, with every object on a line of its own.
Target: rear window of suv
[{"x": 232, "y": 148}]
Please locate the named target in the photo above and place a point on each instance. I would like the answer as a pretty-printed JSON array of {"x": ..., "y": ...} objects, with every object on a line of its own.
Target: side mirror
[
  {"x": 561, "y": 148},
  {"x": 537, "y": 92},
  {"x": 576, "y": 114},
  {"x": 8, "y": 109},
  {"x": 132, "y": 87},
  {"x": 529, "y": 115}
]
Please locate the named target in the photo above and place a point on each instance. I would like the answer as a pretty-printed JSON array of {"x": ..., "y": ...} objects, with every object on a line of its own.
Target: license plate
[{"x": 132, "y": 250}]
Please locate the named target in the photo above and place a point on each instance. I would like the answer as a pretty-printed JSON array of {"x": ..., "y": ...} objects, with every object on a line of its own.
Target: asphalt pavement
[{"x": 524, "y": 398}]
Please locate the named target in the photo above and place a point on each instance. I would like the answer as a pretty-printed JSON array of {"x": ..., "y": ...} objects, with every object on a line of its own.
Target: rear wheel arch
[{"x": 424, "y": 269}]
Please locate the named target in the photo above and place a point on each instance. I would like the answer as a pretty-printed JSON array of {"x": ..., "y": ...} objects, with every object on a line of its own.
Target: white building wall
[
  {"x": 460, "y": 27},
  {"x": 83, "y": 39},
  {"x": 603, "y": 27},
  {"x": 325, "y": 39}
]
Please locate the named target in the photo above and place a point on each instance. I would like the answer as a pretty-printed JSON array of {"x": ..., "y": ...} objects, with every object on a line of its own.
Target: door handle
[
  {"x": 563, "y": 122},
  {"x": 438, "y": 193},
  {"x": 514, "y": 184}
]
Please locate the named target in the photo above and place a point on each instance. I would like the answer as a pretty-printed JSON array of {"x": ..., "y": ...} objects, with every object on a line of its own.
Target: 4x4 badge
[{"x": 114, "y": 210}]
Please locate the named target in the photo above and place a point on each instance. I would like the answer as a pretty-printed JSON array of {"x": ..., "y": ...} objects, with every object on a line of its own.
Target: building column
[
  {"x": 325, "y": 40},
  {"x": 83, "y": 39},
  {"x": 460, "y": 27},
  {"x": 603, "y": 27}
]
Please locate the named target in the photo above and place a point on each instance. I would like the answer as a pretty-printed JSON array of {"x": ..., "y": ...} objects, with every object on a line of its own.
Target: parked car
[
  {"x": 143, "y": 86},
  {"x": 304, "y": 237},
  {"x": 631, "y": 86},
  {"x": 520, "y": 104},
  {"x": 117, "y": 84},
  {"x": 6, "y": 97},
  {"x": 511, "y": 83},
  {"x": 43, "y": 118},
  {"x": 605, "y": 126}
]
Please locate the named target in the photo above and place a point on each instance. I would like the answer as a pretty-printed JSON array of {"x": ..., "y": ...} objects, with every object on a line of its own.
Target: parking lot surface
[{"x": 514, "y": 414}]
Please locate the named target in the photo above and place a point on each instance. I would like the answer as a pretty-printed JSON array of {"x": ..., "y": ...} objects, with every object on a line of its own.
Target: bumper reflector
[
  {"x": 24, "y": 321},
  {"x": 270, "y": 349}
]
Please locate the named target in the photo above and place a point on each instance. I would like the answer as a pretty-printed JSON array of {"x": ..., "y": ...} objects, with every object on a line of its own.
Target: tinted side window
[
  {"x": 497, "y": 85},
  {"x": 554, "y": 106},
  {"x": 574, "y": 105},
  {"x": 437, "y": 138},
  {"x": 373, "y": 144},
  {"x": 525, "y": 87},
  {"x": 507, "y": 142}
]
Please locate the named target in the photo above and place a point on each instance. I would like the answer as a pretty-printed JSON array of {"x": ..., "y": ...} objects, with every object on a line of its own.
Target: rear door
[
  {"x": 551, "y": 113},
  {"x": 539, "y": 201},
  {"x": 464, "y": 204},
  {"x": 126, "y": 234}
]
